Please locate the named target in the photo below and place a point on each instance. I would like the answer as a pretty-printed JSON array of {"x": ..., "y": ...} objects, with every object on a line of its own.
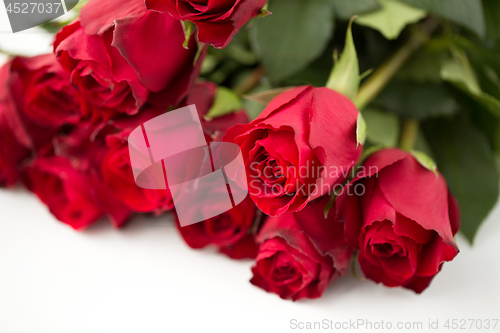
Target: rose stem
[
  {"x": 409, "y": 134},
  {"x": 377, "y": 81},
  {"x": 250, "y": 82}
]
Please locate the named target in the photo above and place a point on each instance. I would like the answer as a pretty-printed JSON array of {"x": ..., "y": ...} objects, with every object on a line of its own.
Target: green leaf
[
  {"x": 347, "y": 9},
  {"x": 314, "y": 74},
  {"x": 225, "y": 102},
  {"x": 382, "y": 127},
  {"x": 468, "y": 13},
  {"x": 295, "y": 35},
  {"x": 345, "y": 74},
  {"x": 467, "y": 161},
  {"x": 425, "y": 160},
  {"x": 482, "y": 55},
  {"x": 392, "y": 18},
  {"x": 459, "y": 72},
  {"x": 425, "y": 64},
  {"x": 360, "y": 130},
  {"x": 417, "y": 100},
  {"x": 492, "y": 19}
]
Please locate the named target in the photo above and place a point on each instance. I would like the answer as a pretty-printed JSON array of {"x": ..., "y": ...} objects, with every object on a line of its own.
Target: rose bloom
[
  {"x": 12, "y": 152},
  {"x": 116, "y": 167},
  {"x": 298, "y": 148},
  {"x": 46, "y": 94},
  {"x": 301, "y": 253},
  {"x": 402, "y": 218},
  {"x": 217, "y": 21},
  {"x": 230, "y": 232},
  {"x": 66, "y": 177},
  {"x": 67, "y": 192},
  {"x": 120, "y": 56},
  {"x": 37, "y": 101},
  {"x": 117, "y": 174}
]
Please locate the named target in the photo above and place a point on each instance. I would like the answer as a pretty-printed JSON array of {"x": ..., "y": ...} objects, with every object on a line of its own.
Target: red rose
[
  {"x": 120, "y": 56},
  {"x": 36, "y": 100},
  {"x": 298, "y": 149},
  {"x": 66, "y": 191},
  {"x": 86, "y": 149},
  {"x": 12, "y": 152},
  {"x": 301, "y": 253},
  {"x": 230, "y": 232},
  {"x": 66, "y": 177},
  {"x": 402, "y": 218},
  {"x": 48, "y": 97},
  {"x": 117, "y": 174},
  {"x": 217, "y": 21}
]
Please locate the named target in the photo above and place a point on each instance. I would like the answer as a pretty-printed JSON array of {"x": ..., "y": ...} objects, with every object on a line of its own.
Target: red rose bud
[
  {"x": 120, "y": 56},
  {"x": 230, "y": 232},
  {"x": 217, "y": 21},
  {"x": 402, "y": 218},
  {"x": 301, "y": 253},
  {"x": 298, "y": 149}
]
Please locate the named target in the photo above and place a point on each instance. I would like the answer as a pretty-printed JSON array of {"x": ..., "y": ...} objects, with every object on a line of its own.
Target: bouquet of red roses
[{"x": 338, "y": 163}]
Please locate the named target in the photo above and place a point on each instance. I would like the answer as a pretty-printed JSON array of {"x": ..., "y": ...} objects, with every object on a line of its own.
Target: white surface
[
  {"x": 37, "y": 41},
  {"x": 143, "y": 278}
]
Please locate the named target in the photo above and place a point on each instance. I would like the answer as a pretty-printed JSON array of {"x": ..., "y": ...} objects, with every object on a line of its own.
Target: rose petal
[{"x": 421, "y": 189}]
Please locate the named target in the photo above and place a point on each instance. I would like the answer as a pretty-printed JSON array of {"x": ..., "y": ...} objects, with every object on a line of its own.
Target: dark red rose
[
  {"x": 48, "y": 98},
  {"x": 120, "y": 56},
  {"x": 118, "y": 177},
  {"x": 66, "y": 176},
  {"x": 12, "y": 152},
  {"x": 67, "y": 192},
  {"x": 301, "y": 253},
  {"x": 402, "y": 218},
  {"x": 217, "y": 21},
  {"x": 230, "y": 232},
  {"x": 86, "y": 149},
  {"x": 298, "y": 149},
  {"x": 116, "y": 166},
  {"x": 36, "y": 101}
]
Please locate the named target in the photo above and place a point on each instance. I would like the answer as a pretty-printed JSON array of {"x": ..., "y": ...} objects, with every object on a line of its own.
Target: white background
[{"x": 143, "y": 278}]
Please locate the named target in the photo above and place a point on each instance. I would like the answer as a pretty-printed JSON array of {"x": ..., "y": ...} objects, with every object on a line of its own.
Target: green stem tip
[{"x": 409, "y": 134}]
